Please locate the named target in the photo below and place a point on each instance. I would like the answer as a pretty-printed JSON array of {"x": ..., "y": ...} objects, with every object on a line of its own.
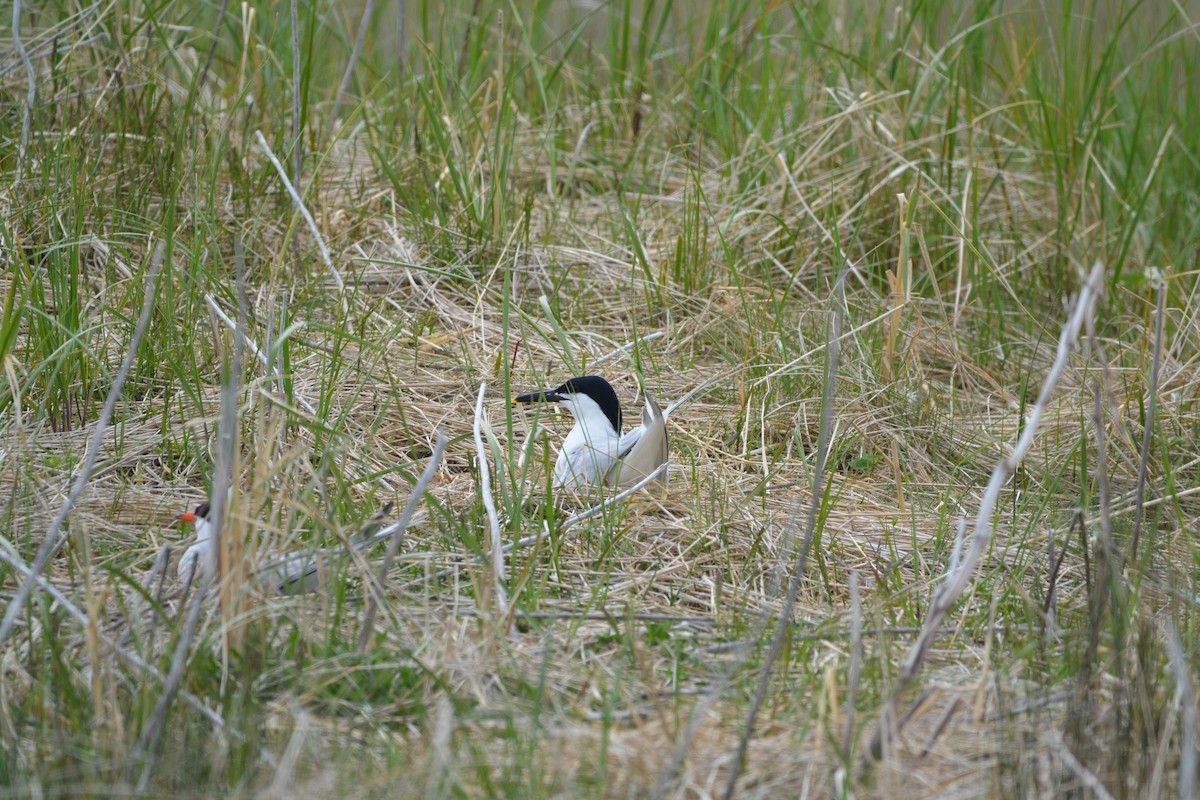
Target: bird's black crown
[{"x": 600, "y": 391}]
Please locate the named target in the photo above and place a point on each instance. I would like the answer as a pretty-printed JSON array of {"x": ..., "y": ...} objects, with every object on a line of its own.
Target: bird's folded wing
[
  {"x": 644, "y": 449},
  {"x": 301, "y": 572}
]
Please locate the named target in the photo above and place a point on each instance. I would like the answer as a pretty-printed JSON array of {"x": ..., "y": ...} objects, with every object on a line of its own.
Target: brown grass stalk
[{"x": 1151, "y": 407}]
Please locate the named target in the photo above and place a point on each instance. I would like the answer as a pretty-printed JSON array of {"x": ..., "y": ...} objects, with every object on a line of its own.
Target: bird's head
[
  {"x": 201, "y": 513},
  {"x": 584, "y": 397}
]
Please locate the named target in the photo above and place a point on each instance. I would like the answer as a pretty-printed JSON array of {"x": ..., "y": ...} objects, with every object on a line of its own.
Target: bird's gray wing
[
  {"x": 648, "y": 447},
  {"x": 299, "y": 573},
  {"x": 630, "y": 440}
]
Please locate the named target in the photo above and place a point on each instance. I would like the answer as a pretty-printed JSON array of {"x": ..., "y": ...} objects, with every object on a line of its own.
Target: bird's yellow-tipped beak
[{"x": 548, "y": 396}]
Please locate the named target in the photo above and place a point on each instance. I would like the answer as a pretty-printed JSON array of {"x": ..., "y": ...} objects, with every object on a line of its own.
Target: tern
[
  {"x": 295, "y": 573},
  {"x": 595, "y": 452},
  {"x": 199, "y": 560}
]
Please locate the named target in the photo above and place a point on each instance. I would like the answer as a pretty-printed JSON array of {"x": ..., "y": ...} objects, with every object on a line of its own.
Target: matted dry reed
[{"x": 526, "y": 644}]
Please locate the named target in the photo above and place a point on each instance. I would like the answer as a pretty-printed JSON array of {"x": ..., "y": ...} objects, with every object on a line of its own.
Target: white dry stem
[
  {"x": 962, "y": 247},
  {"x": 1185, "y": 693},
  {"x": 363, "y": 24},
  {"x": 221, "y": 315},
  {"x": 396, "y": 532},
  {"x": 31, "y": 94},
  {"x": 956, "y": 553},
  {"x": 535, "y": 538},
  {"x": 283, "y": 784},
  {"x": 54, "y": 537},
  {"x": 489, "y": 505},
  {"x": 308, "y": 218},
  {"x": 1085, "y": 775},
  {"x": 956, "y": 582},
  {"x": 79, "y": 616},
  {"x": 259, "y": 354},
  {"x": 297, "y": 134},
  {"x": 1151, "y": 408}
]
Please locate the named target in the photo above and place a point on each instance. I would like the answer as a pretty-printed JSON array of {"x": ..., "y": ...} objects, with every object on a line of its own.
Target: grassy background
[{"x": 509, "y": 192}]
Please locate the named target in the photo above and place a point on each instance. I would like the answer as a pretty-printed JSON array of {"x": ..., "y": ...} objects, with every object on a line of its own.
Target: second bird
[{"x": 595, "y": 452}]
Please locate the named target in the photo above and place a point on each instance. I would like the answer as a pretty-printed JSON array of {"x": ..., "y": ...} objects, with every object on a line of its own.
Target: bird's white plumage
[
  {"x": 294, "y": 573},
  {"x": 590, "y": 449},
  {"x": 594, "y": 452},
  {"x": 200, "y": 560}
]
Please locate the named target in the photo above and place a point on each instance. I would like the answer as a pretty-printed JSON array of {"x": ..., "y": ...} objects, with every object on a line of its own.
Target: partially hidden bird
[
  {"x": 199, "y": 560},
  {"x": 294, "y": 573},
  {"x": 595, "y": 452}
]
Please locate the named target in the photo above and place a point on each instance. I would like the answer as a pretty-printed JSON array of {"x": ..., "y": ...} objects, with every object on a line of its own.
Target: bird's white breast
[
  {"x": 200, "y": 560},
  {"x": 590, "y": 449}
]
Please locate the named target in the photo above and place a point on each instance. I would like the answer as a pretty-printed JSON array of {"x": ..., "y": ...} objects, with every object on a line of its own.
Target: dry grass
[{"x": 491, "y": 236}]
